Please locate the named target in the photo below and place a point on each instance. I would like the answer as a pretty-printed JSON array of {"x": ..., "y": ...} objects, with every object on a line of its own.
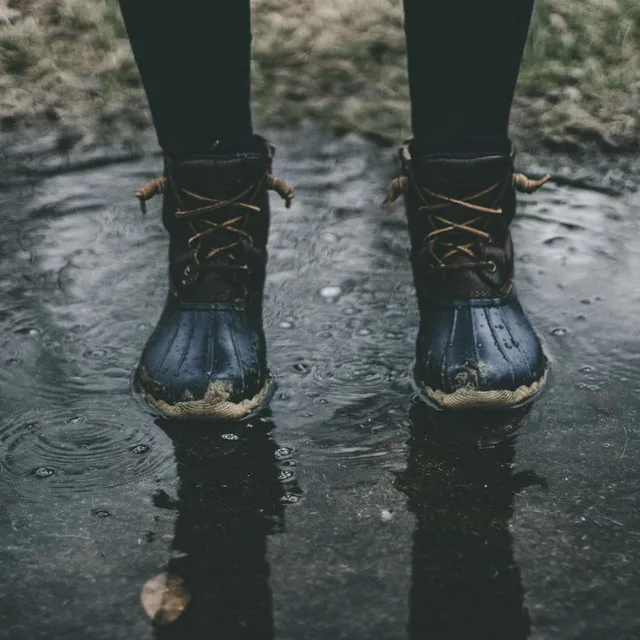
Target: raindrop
[
  {"x": 282, "y": 453},
  {"x": 307, "y": 414},
  {"x": 585, "y": 301},
  {"x": 230, "y": 436},
  {"x": 558, "y": 331},
  {"x": 94, "y": 353},
  {"x": 33, "y": 332},
  {"x": 282, "y": 395},
  {"x": 100, "y": 513},
  {"x": 301, "y": 367},
  {"x": 290, "y": 498},
  {"x": 364, "y": 332},
  {"x": 330, "y": 237},
  {"x": 139, "y": 449},
  {"x": 43, "y": 472},
  {"x": 581, "y": 316},
  {"x": 330, "y": 293},
  {"x": 285, "y": 324},
  {"x": 285, "y": 475},
  {"x": 587, "y": 368}
]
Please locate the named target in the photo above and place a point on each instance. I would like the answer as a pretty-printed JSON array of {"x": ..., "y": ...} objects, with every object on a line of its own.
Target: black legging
[{"x": 463, "y": 55}]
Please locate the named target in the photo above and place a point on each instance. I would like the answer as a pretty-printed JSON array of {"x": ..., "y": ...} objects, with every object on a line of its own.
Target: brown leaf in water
[{"x": 164, "y": 598}]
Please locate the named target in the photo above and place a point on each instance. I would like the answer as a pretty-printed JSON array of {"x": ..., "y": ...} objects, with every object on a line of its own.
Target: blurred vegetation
[{"x": 338, "y": 62}]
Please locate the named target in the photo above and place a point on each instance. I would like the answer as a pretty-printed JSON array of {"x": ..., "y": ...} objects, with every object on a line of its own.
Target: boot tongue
[
  {"x": 217, "y": 177},
  {"x": 462, "y": 175}
]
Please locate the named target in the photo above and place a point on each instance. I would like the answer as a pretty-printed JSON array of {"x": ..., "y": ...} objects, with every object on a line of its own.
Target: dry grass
[{"x": 339, "y": 62}]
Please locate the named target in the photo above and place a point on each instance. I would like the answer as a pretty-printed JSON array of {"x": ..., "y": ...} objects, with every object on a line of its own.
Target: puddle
[{"x": 349, "y": 513}]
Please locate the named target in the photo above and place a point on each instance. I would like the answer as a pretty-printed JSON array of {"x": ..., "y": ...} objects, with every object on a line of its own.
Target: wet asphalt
[{"x": 349, "y": 512}]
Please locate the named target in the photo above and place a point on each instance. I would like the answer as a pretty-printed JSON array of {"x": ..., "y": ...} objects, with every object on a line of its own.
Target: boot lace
[
  {"x": 208, "y": 229},
  {"x": 443, "y": 226}
]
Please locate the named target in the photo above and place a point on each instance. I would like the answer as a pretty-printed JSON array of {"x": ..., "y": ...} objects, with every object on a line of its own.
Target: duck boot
[
  {"x": 206, "y": 358},
  {"x": 475, "y": 347}
]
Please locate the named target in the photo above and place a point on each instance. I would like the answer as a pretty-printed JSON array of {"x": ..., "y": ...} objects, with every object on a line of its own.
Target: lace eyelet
[{"x": 492, "y": 266}]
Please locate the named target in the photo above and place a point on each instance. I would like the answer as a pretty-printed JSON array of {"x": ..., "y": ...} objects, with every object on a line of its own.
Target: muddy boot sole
[
  {"x": 467, "y": 398},
  {"x": 214, "y": 406}
]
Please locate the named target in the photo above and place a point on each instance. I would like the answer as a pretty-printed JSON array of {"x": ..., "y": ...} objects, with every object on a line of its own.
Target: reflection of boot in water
[
  {"x": 465, "y": 581},
  {"x": 230, "y": 499}
]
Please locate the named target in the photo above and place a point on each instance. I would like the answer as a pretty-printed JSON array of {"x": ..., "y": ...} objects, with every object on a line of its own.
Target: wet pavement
[{"x": 351, "y": 512}]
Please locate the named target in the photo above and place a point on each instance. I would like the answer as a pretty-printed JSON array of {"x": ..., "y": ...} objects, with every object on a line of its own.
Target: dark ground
[{"x": 353, "y": 514}]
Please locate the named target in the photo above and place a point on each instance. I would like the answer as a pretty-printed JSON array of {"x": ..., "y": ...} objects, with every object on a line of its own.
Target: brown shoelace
[
  {"x": 401, "y": 185},
  {"x": 233, "y": 225}
]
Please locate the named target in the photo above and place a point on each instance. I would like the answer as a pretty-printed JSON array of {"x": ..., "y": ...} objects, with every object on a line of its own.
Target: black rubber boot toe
[
  {"x": 478, "y": 353},
  {"x": 205, "y": 362}
]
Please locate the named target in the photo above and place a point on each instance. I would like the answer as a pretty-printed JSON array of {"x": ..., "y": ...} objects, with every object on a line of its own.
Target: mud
[{"x": 351, "y": 512}]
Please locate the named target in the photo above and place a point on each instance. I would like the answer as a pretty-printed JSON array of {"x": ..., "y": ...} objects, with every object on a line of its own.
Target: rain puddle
[{"x": 350, "y": 512}]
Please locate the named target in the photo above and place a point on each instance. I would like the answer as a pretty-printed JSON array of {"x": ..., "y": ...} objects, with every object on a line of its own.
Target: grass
[{"x": 338, "y": 62}]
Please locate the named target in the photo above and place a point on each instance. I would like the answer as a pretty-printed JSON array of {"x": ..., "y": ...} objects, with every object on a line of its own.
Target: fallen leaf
[{"x": 164, "y": 598}]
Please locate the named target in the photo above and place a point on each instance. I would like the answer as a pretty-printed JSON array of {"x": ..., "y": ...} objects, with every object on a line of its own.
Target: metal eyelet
[
  {"x": 492, "y": 266},
  {"x": 189, "y": 275}
]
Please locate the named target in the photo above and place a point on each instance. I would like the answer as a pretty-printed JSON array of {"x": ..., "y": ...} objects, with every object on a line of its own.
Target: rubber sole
[
  {"x": 215, "y": 406},
  {"x": 493, "y": 400}
]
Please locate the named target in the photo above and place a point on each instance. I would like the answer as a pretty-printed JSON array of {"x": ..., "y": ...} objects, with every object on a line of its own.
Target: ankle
[{"x": 469, "y": 145}]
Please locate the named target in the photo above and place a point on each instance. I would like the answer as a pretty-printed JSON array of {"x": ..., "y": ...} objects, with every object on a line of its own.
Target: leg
[
  {"x": 464, "y": 57},
  {"x": 194, "y": 59},
  {"x": 206, "y": 358},
  {"x": 475, "y": 346}
]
